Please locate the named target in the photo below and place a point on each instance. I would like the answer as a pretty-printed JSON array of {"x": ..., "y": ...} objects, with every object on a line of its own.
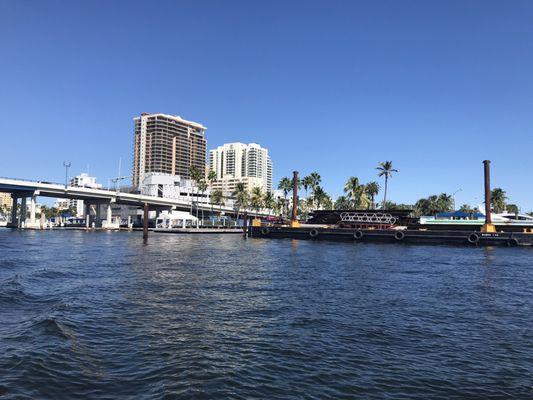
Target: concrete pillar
[
  {"x": 109, "y": 215},
  {"x": 98, "y": 222},
  {"x": 43, "y": 220},
  {"x": 87, "y": 215},
  {"x": 14, "y": 203},
  {"x": 130, "y": 225},
  {"x": 32, "y": 210},
  {"x": 23, "y": 211}
]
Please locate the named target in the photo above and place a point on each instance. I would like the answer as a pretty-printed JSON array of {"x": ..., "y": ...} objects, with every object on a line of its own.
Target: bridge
[{"x": 23, "y": 189}]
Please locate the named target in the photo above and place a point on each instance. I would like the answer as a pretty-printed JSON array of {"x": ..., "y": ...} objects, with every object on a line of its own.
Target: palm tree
[
  {"x": 356, "y": 193},
  {"x": 314, "y": 179},
  {"x": 385, "y": 169},
  {"x": 319, "y": 196},
  {"x": 241, "y": 197},
  {"x": 269, "y": 201},
  {"x": 202, "y": 187},
  {"x": 195, "y": 177},
  {"x": 217, "y": 198},
  {"x": 498, "y": 198},
  {"x": 256, "y": 199},
  {"x": 342, "y": 203},
  {"x": 351, "y": 187},
  {"x": 285, "y": 184},
  {"x": 372, "y": 190},
  {"x": 307, "y": 182}
]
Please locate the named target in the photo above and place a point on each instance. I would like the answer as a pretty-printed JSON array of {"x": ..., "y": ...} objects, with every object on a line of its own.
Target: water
[{"x": 99, "y": 315}]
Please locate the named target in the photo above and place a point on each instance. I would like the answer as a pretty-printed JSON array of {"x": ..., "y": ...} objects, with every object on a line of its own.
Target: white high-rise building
[
  {"x": 239, "y": 162},
  {"x": 82, "y": 180}
]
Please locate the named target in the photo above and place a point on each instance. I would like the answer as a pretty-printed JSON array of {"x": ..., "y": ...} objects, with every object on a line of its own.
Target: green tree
[
  {"x": 319, "y": 197},
  {"x": 256, "y": 199},
  {"x": 202, "y": 187},
  {"x": 467, "y": 209},
  {"x": 499, "y": 199},
  {"x": 371, "y": 191},
  {"x": 434, "y": 205},
  {"x": 385, "y": 169},
  {"x": 269, "y": 202},
  {"x": 217, "y": 198},
  {"x": 342, "y": 203},
  {"x": 512, "y": 208},
  {"x": 285, "y": 185},
  {"x": 195, "y": 175},
  {"x": 241, "y": 196},
  {"x": 307, "y": 182},
  {"x": 356, "y": 193}
]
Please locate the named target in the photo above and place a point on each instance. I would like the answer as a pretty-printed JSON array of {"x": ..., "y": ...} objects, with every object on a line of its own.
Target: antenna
[{"x": 119, "y": 178}]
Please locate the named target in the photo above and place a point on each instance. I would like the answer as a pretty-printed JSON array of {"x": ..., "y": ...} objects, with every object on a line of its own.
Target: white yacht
[{"x": 506, "y": 221}]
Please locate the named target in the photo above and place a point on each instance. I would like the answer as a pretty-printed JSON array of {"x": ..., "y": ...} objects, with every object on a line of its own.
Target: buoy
[
  {"x": 265, "y": 231},
  {"x": 313, "y": 233},
  {"x": 358, "y": 235}
]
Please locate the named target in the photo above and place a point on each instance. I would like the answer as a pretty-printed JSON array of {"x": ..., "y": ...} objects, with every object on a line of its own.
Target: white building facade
[
  {"x": 81, "y": 180},
  {"x": 238, "y": 162}
]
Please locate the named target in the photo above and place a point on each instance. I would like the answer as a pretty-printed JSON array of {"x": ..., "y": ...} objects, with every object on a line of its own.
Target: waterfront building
[
  {"x": 238, "y": 162},
  {"x": 5, "y": 201},
  {"x": 172, "y": 187},
  {"x": 167, "y": 144},
  {"x": 82, "y": 180}
]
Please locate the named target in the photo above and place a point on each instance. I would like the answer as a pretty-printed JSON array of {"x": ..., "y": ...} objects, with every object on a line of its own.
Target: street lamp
[
  {"x": 453, "y": 197},
  {"x": 67, "y": 165}
]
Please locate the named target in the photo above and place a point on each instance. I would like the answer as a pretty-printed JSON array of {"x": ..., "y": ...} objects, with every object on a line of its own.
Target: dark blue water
[{"x": 101, "y": 316}]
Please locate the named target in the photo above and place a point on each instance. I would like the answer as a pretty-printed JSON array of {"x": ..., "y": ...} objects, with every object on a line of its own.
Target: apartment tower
[
  {"x": 239, "y": 162},
  {"x": 168, "y": 144}
]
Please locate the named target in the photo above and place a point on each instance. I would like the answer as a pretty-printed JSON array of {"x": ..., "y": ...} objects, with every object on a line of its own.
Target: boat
[
  {"x": 458, "y": 220},
  {"x": 174, "y": 220}
]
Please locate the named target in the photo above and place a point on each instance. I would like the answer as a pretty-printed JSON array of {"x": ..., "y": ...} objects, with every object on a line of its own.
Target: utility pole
[{"x": 67, "y": 165}]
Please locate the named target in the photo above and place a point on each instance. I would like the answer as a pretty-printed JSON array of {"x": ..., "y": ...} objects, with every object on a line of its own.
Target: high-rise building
[
  {"x": 239, "y": 162},
  {"x": 167, "y": 144}
]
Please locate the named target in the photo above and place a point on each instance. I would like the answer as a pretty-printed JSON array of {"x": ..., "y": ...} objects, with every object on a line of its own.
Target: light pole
[
  {"x": 453, "y": 197},
  {"x": 67, "y": 165}
]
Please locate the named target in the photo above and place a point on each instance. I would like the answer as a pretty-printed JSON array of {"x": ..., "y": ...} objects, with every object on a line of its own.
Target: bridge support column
[
  {"x": 87, "y": 215},
  {"x": 23, "y": 211},
  {"x": 14, "y": 205},
  {"x": 109, "y": 216},
  {"x": 98, "y": 221},
  {"x": 145, "y": 222},
  {"x": 32, "y": 210}
]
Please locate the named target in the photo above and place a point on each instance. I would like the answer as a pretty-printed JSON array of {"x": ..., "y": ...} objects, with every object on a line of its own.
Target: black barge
[{"x": 467, "y": 238}]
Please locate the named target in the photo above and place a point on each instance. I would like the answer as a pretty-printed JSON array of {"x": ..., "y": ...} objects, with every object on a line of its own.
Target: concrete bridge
[{"x": 24, "y": 189}]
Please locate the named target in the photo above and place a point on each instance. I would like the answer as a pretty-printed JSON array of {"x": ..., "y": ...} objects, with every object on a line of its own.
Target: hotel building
[
  {"x": 167, "y": 144},
  {"x": 239, "y": 162}
]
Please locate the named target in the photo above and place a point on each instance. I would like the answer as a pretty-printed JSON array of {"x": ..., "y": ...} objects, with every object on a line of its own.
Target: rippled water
[{"x": 100, "y": 315}]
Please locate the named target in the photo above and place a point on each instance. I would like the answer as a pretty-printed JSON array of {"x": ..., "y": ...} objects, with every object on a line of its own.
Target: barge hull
[{"x": 467, "y": 238}]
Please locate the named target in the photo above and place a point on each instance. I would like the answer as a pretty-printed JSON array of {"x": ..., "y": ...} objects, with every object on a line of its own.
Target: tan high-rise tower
[{"x": 168, "y": 144}]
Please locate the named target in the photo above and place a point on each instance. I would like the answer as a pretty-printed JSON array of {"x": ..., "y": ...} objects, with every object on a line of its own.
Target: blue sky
[{"x": 331, "y": 86}]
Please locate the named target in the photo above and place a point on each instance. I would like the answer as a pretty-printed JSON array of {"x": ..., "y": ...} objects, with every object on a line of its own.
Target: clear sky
[{"x": 331, "y": 86}]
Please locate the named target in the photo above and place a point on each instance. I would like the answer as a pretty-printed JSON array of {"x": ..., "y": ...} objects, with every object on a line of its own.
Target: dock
[
  {"x": 466, "y": 238},
  {"x": 200, "y": 231}
]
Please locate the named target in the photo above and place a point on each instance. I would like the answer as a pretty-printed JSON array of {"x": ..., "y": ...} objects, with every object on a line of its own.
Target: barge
[
  {"x": 467, "y": 238},
  {"x": 389, "y": 227}
]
